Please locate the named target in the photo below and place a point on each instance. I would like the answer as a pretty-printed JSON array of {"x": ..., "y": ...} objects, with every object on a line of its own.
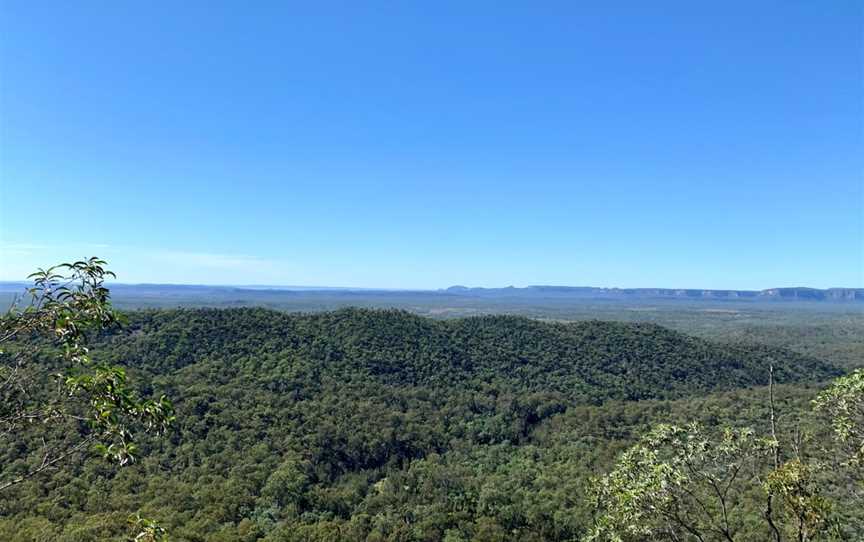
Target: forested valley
[{"x": 382, "y": 425}]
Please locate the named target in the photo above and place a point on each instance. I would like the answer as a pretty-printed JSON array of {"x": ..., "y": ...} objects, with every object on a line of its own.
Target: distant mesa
[
  {"x": 457, "y": 288},
  {"x": 588, "y": 292}
]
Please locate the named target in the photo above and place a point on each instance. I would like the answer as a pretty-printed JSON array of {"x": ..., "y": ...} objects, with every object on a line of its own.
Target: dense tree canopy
[{"x": 381, "y": 425}]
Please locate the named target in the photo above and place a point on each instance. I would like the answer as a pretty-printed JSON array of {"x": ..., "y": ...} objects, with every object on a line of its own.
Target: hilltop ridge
[{"x": 585, "y": 361}]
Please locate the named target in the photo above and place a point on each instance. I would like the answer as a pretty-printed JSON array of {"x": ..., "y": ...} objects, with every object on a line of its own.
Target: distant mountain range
[
  {"x": 588, "y": 292},
  {"x": 182, "y": 294}
]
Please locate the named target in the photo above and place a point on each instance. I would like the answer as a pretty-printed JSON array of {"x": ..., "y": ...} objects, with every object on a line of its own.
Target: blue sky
[{"x": 399, "y": 144}]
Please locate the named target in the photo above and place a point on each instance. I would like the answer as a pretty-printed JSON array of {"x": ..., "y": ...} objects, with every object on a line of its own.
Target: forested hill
[
  {"x": 386, "y": 426},
  {"x": 583, "y": 362}
]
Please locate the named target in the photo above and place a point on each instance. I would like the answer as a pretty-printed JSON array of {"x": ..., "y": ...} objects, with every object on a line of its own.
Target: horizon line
[{"x": 296, "y": 287}]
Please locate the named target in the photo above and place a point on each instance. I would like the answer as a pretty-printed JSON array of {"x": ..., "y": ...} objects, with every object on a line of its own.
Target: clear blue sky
[{"x": 398, "y": 144}]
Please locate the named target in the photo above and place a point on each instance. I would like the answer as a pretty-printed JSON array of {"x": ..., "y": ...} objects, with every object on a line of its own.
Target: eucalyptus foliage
[
  {"x": 689, "y": 483},
  {"x": 56, "y": 401},
  {"x": 843, "y": 402}
]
